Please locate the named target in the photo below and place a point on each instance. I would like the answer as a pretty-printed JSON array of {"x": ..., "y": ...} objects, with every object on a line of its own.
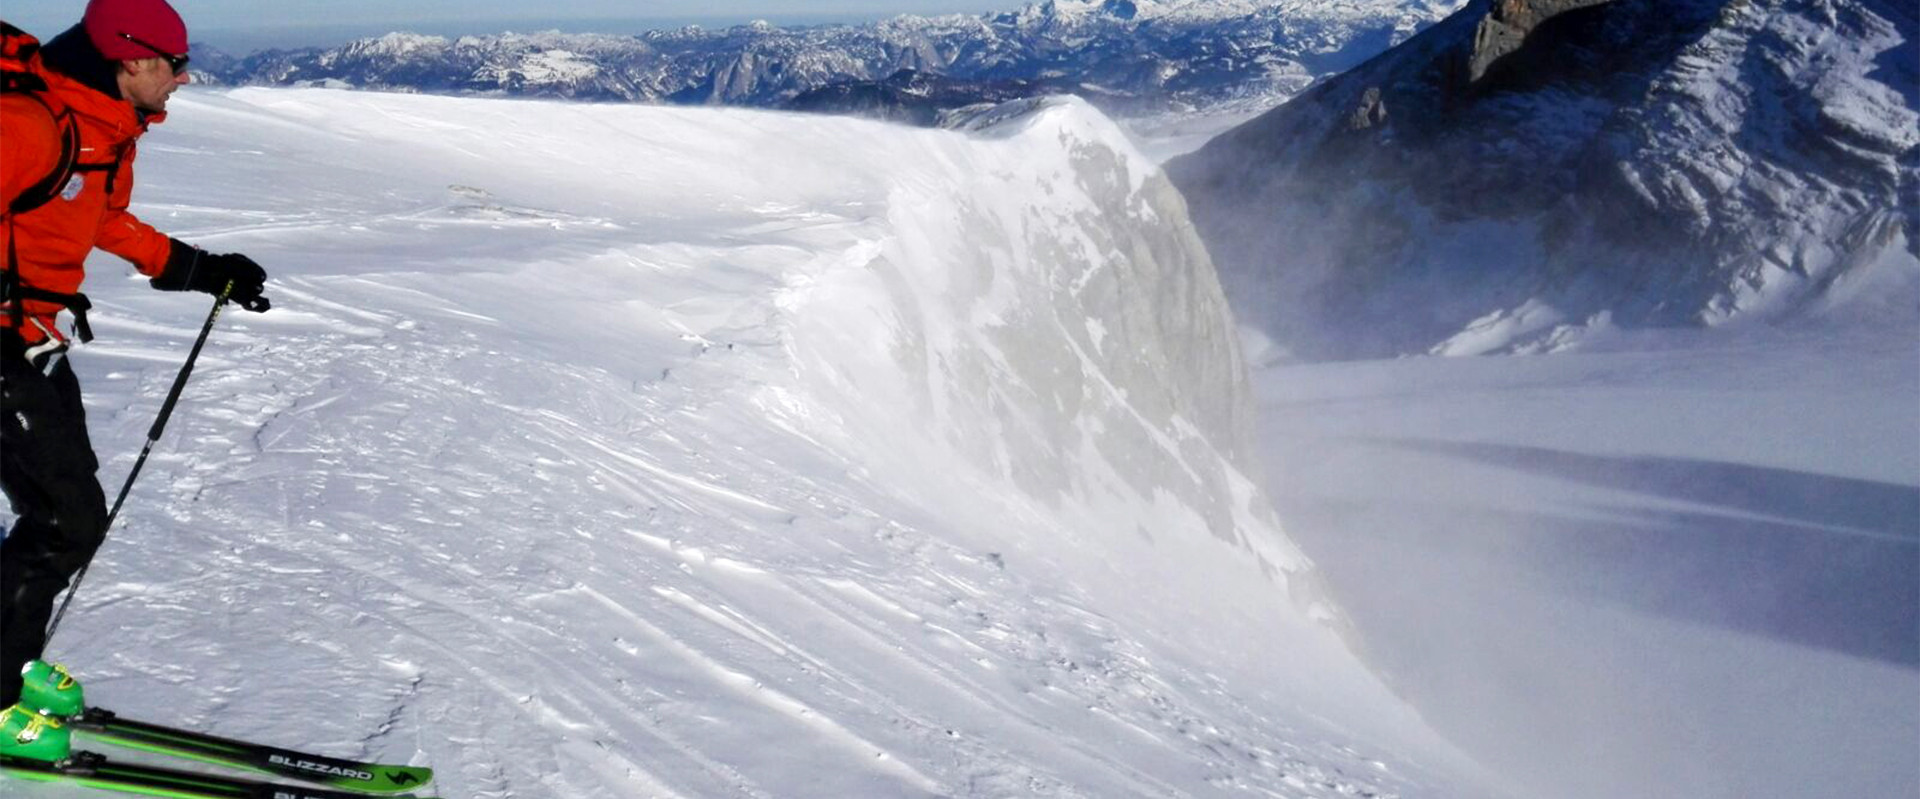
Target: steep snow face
[
  {"x": 1077, "y": 352},
  {"x": 600, "y": 450},
  {"x": 1628, "y": 164}
]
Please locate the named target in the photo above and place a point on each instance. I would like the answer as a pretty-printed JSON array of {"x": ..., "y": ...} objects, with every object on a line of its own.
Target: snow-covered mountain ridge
[
  {"x": 1489, "y": 186},
  {"x": 619, "y": 451},
  {"x": 1132, "y": 58}
]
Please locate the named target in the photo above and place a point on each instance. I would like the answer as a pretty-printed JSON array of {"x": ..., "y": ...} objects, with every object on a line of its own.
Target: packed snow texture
[{"x": 608, "y": 451}]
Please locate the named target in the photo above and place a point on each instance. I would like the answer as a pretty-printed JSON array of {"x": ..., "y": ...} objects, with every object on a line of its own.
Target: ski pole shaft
[{"x": 153, "y": 436}]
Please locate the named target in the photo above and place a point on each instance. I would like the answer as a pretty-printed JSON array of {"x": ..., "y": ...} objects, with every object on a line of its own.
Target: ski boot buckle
[
  {"x": 51, "y": 690},
  {"x": 28, "y": 735}
]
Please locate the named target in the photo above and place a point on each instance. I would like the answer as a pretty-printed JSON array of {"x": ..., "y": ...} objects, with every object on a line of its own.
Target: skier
[{"x": 69, "y": 118}]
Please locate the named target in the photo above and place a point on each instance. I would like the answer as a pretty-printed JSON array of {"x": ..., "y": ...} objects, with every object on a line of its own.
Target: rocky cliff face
[
  {"x": 918, "y": 98},
  {"x": 1522, "y": 174},
  {"x": 1505, "y": 27}
]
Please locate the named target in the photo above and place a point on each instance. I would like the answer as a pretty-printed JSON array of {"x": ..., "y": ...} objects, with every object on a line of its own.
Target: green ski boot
[
  {"x": 28, "y": 735},
  {"x": 51, "y": 691}
]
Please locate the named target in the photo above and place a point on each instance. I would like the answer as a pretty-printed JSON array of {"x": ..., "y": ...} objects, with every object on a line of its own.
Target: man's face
[{"x": 148, "y": 82}]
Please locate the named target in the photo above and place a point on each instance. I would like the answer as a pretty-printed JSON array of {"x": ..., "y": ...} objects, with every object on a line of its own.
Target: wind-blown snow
[
  {"x": 618, "y": 451},
  {"x": 1684, "y": 566}
]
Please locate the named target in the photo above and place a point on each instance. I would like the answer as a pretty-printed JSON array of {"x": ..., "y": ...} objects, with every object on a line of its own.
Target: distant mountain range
[
  {"x": 1532, "y": 173},
  {"x": 1130, "y": 57}
]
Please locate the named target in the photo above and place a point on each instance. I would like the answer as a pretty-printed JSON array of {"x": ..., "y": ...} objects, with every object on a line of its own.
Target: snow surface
[
  {"x": 1686, "y": 566},
  {"x": 610, "y": 451}
]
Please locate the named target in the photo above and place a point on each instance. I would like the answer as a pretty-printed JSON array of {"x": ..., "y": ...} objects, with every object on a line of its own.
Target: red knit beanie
[{"x": 150, "y": 21}]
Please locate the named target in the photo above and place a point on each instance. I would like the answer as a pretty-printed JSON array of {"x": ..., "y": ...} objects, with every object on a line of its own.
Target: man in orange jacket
[{"x": 102, "y": 82}]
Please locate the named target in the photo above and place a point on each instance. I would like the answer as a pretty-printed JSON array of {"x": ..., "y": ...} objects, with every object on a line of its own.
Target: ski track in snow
[{"x": 486, "y": 491}]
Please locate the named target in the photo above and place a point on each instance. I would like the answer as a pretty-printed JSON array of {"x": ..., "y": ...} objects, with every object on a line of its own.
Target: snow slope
[
  {"x": 1668, "y": 568},
  {"x": 604, "y": 451}
]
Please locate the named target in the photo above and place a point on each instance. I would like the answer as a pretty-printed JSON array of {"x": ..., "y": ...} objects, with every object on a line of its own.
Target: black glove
[{"x": 190, "y": 269}]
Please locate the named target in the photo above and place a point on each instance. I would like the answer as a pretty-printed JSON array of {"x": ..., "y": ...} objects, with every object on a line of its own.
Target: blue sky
[{"x": 241, "y": 24}]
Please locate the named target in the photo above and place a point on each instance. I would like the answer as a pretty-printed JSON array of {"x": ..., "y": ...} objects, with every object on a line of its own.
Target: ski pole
[{"x": 153, "y": 435}]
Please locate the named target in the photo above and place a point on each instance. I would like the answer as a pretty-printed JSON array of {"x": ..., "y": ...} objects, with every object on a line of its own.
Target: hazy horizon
[
  {"x": 241, "y": 29},
  {"x": 245, "y": 39}
]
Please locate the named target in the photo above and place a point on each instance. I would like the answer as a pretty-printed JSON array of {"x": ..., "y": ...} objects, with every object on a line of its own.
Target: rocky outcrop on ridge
[{"x": 1623, "y": 164}]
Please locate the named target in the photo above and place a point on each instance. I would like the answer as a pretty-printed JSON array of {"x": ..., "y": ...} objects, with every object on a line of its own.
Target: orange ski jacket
[{"x": 50, "y": 243}]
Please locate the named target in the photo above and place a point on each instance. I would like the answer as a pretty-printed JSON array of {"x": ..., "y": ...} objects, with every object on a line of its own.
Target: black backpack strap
[
  {"x": 14, "y": 293},
  {"x": 13, "y": 81},
  {"x": 10, "y": 281},
  {"x": 112, "y": 168}
]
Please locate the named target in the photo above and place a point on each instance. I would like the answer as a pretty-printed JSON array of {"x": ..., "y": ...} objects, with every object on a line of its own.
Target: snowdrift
[{"x": 623, "y": 451}]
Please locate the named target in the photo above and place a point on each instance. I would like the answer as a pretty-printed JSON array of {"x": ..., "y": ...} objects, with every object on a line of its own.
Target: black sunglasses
[{"x": 177, "y": 62}]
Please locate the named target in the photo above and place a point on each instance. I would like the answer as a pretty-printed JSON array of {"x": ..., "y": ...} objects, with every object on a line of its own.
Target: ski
[
  {"x": 94, "y": 770},
  {"x": 349, "y": 775}
]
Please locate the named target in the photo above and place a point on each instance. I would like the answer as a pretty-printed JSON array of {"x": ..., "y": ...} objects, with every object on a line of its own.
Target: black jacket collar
[{"x": 72, "y": 54}]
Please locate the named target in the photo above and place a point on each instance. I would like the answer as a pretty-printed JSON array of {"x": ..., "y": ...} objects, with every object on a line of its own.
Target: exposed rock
[
  {"x": 1372, "y": 111},
  {"x": 917, "y": 98},
  {"x": 1649, "y": 162}
]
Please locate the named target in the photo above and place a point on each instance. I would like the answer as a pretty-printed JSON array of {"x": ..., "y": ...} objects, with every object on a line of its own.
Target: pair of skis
[{"x": 342, "y": 779}]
